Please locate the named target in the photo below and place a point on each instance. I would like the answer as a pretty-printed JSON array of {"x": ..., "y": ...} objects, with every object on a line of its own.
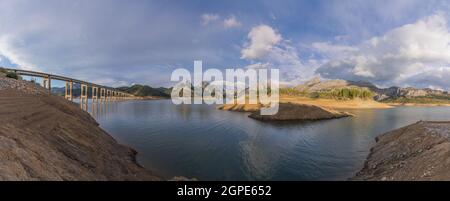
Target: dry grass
[{"x": 336, "y": 104}]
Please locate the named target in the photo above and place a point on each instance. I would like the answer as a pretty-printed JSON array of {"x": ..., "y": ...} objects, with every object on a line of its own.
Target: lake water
[{"x": 199, "y": 141}]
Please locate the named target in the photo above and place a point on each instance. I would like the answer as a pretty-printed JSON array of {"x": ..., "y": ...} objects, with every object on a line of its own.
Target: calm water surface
[{"x": 203, "y": 142}]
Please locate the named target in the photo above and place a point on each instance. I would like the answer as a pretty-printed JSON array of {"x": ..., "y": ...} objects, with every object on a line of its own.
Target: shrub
[
  {"x": 292, "y": 92},
  {"x": 352, "y": 93},
  {"x": 13, "y": 75},
  {"x": 315, "y": 95}
]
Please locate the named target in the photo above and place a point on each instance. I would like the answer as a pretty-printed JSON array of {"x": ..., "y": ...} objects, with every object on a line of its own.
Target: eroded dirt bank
[
  {"x": 44, "y": 137},
  {"x": 300, "y": 112},
  {"x": 420, "y": 151}
]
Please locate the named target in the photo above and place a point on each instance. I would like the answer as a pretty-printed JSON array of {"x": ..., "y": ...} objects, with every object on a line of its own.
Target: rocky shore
[
  {"x": 420, "y": 151},
  {"x": 44, "y": 137}
]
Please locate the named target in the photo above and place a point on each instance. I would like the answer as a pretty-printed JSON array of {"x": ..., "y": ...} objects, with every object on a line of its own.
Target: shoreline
[{"x": 418, "y": 105}]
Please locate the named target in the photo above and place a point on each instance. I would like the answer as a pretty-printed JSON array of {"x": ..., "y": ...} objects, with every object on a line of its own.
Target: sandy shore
[
  {"x": 418, "y": 104},
  {"x": 420, "y": 151},
  {"x": 336, "y": 104},
  {"x": 44, "y": 137},
  {"x": 329, "y": 104}
]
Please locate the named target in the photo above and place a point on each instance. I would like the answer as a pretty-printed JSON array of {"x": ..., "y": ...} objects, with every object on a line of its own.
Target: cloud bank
[
  {"x": 116, "y": 42},
  {"x": 416, "y": 54}
]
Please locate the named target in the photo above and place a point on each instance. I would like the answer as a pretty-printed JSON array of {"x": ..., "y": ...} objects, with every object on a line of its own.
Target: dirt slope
[{"x": 44, "y": 137}]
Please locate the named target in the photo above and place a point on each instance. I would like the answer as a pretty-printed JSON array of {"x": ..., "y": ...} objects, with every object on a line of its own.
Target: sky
[{"x": 117, "y": 43}]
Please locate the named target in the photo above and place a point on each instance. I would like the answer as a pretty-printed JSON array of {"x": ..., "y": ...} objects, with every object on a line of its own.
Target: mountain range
[
  {"x": 390, "y": 94},
  {"x": 315, "y": 85}
]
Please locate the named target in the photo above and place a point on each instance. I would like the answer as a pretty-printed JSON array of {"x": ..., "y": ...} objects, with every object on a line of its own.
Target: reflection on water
[
  {"x": 203, "y": 142},
  {"x": 98, "y": 108}
]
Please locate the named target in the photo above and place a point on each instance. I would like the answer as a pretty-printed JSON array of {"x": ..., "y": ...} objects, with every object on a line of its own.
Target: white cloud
[
  {"x": 258, "y": 65},
  {"x": 262, "y": 39},
  {"x": 268, "y": 48},
  {"x": 231, "y": 22},
  {"x": 208, "y": 18},
  {"x": 393, "y": 58},
  {"x": 333, "y": 51},
  {"x": 14, "y": 55}
]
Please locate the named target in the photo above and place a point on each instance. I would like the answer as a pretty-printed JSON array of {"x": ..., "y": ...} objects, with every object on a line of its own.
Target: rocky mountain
[
  {"x": 409, "y": 92},
  {"x": 76, "y": 91},
  {"x": 382, "y": 94},
  {"x": 316, "y": 85}
]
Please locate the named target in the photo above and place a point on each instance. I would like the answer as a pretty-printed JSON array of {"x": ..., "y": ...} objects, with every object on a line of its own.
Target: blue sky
[{"x": 400, "y": 42}]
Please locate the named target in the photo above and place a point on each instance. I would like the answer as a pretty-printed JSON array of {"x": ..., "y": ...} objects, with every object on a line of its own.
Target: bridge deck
[{"x": 58, "y": 77}]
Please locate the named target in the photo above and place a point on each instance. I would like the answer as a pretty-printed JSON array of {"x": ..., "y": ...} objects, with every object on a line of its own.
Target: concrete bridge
[{"x": 99, "y": 92}]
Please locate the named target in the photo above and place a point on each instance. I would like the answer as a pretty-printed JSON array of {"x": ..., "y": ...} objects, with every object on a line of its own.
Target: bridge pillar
[
  {"x": 108, "y": 95},
  {"x": 84, "y": 97},
  {"x": 103, "y": 94},
  {"x": 94, "y": 94},
  {"x": 69, "y": 87},
  {"x": 47, "y": 83}
]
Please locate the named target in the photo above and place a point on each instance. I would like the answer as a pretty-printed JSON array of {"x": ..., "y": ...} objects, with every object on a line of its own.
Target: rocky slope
[
  {"x": 420, "y": 151},
  {"x": 45, "y": 137},
  {"x": 316, "y": 84},
  {"x": 393, "y": 93}
]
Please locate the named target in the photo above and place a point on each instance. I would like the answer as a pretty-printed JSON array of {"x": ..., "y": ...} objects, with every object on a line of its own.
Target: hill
[
  {"x": 332, "y": 89},
  {"x": 144, "y": 90}
]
